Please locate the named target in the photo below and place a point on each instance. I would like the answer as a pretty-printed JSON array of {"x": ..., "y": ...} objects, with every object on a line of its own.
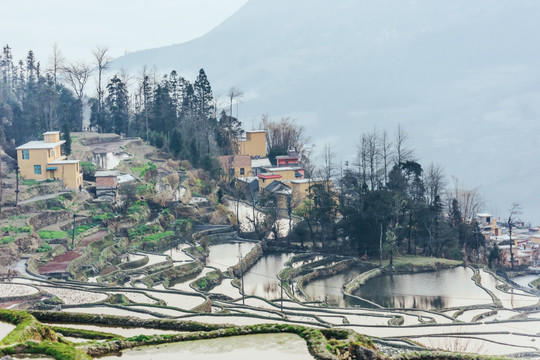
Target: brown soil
[
  {"x": 93, "y": 237},
  {"x": 59, "y": 263}
]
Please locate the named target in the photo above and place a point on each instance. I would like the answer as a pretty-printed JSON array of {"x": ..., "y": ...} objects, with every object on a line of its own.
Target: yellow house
[
  {"x": 236, "y": 165},
  {"x": 254, "y": 144},
  {"x": 288, "y": 172},
  {"x": 41, "y": 160}
]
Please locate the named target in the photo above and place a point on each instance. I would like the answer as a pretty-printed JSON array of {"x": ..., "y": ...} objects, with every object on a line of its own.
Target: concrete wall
[{"x": 254, "y": 145}]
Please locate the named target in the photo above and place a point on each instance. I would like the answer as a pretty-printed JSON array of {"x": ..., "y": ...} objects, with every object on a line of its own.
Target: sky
[{"x": 123, "y": 26}]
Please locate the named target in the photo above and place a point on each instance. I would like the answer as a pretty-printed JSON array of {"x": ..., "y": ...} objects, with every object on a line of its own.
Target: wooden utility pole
[
  {"x": 241, "y": 273},
  {"x": 16, "y": 185}
]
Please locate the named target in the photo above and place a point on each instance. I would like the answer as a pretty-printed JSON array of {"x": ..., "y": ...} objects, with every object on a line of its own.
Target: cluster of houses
[
  {"x": 252, "y": 167},
  {"x": 525, "y": 241},
  {"x": 43, "y": 160}
]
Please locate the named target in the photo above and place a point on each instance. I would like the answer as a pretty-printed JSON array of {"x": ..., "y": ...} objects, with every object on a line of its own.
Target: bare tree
[
  {"x": 515, "y": 210},
  {"x": 76, "y": 75},
  {"x": 57, "y": 61},
  {"x": 102, "y": 61},
  {"x": 402, "y": 152},
  {"x": 468, "y": 201},
  {"x": 234, "y": 94},
  {"x": 329, "y": 169},
  {"x": 285, "y": 135},
  {"x": 386, "y": 152}
]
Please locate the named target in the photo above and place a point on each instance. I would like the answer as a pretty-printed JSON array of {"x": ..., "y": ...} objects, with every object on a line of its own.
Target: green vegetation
[
  {"x": 137, "y": 207},
  {"x": 208, "y": 282},
  {"x": 102, "y": 217},
  {"x": 29, "y": 182},
  {"x": 149, "y": 166},
  {"x": 158, "y": 236},
  {"x": 87, "y": 167},
  {"x": 17, "y": 230},
  {"x": 7, "y": 239},
  {"x": 45, "y": 247},
  {"x": 52, "y": 234}
]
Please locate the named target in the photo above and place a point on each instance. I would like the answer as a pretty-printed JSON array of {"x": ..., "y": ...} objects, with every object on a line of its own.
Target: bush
[
  {"x": 87, "y": 168},
  {"x": 45, "y": 247}
]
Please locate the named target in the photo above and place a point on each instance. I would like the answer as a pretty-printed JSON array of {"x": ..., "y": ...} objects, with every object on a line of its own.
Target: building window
[
  {"x": 26, "y": 154},
  {"x": 242, "y": 171},
  {"x": 37, "y": 169}
]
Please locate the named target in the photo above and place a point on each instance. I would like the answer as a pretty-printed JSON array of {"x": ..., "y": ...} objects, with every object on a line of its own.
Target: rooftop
[
  {"x": 51, "y": 132},
  {"x": 62, "y": 162},
  {"x": 39, "y": 145},
  {"x": 269, "y": 176},
  {"x": 484, "y": 215},
  {"x": 264, "y": 162},
  {"x": 106, "y": 173},
  {"x": 285, "y": 168}
]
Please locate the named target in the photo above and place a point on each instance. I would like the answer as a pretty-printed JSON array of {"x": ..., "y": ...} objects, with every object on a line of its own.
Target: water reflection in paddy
[
  {"x": 329, "y": 289},
  {"x": 525, "y": 280},
  {"x": 223, "y": 256},
  {"x": 438, "y": 289},
  {"x": 261, "y": 347},
  {"x": 261, "y": 279}
]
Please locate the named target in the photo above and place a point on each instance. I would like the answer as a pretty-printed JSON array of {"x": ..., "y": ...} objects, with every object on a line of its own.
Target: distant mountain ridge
[{"x": 461, "y": 77}]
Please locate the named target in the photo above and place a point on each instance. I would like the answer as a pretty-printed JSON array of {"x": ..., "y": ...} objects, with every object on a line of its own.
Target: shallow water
[
  {"x": 329, "y": 289},
  {"x": 525, "y": 280},
  {"x": 261, "y": 279},
  {"x": 5, "y": 328},
  {"x": 260, "y": 347},
  {"x": 223, "y": 256},
  {"x": 438, "y": 289},
  {"x": 510, "y": 300}
]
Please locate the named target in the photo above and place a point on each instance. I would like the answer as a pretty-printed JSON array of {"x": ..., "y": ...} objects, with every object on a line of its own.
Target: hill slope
[{"x": 461, "y": 78}]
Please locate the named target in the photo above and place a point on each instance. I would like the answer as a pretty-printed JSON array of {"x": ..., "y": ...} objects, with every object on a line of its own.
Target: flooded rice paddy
[
  {"x": 430, "y": 290},
  {"x": 444, "y": 309}
]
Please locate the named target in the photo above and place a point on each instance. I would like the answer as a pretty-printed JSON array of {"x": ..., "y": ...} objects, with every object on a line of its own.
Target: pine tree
[
  {"x": 117, "y": 106},
  {"x": 66, "y": 134}
]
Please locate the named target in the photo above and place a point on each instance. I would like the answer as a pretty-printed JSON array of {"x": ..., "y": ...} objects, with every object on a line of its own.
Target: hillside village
[{"x": 143, "y": 223}]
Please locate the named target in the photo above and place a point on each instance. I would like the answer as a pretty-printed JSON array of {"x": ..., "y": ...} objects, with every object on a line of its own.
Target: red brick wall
[{"x": 106, "y": 181}]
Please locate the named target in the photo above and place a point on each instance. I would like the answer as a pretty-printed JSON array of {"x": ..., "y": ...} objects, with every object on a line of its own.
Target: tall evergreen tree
[
  {"x": 66, "y": 134},
  {"x": 117, "y": 106}
]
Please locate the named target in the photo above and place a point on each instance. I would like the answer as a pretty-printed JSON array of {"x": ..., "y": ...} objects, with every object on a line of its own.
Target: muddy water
[
  {"x": 223, "y": 256},
  {"x": 438, "y": 289},
  {"x": 261, "y": 279},
  {"x": 260, "y": 347}
]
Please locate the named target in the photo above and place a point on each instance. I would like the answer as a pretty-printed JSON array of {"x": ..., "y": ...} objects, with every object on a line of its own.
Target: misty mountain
[{"x": 462, "y": 77}]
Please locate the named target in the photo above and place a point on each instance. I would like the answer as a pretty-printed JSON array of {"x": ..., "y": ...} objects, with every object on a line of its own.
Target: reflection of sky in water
[
  {"x": 438, "y": 289},
  {"x": 223, "y": 256},
  {"x": 261, "y": 279},
  {"x": 512, "y": 299}
]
